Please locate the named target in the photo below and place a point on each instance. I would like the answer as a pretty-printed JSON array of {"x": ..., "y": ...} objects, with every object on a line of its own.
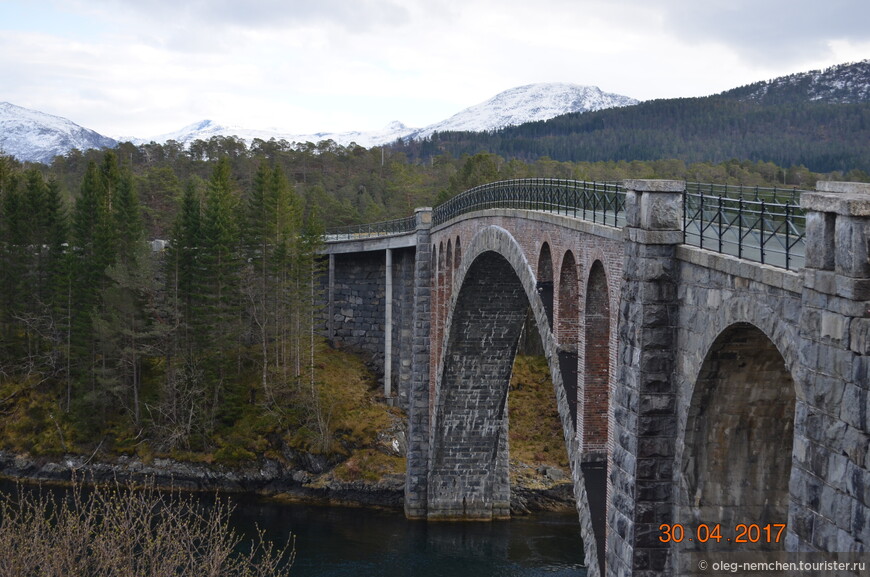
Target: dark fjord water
[{"x": 341, "y": 542}]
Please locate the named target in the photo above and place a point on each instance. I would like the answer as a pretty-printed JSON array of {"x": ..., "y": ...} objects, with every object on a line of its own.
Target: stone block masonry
[{"x": 355, "y": 316}]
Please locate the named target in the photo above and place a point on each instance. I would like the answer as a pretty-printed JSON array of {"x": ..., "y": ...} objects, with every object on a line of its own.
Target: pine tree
[{"x": 124, "y": 324}]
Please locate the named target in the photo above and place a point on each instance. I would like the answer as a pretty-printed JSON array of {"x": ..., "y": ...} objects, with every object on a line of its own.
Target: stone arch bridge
[{"x": 709, "y": 349}]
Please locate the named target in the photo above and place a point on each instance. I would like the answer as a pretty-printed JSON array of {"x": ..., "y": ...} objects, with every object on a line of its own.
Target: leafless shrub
[{"x": 117, "y": 531}]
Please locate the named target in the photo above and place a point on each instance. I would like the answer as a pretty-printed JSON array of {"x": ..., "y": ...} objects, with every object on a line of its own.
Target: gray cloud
[{"x": 770, "y": 31}]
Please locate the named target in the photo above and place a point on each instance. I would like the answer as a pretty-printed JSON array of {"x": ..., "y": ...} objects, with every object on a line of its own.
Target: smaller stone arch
[
  {"x": 568, "y": 329},
  {"x": 448, "y": 270},
  {"x": 545, "y": 280},
  {"x": 596, "y": 362},
  {"x": 457, "y": 257}
]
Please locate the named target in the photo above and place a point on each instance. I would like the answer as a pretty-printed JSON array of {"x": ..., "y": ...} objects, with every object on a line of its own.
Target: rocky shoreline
[{"x": 268, "y": 478}]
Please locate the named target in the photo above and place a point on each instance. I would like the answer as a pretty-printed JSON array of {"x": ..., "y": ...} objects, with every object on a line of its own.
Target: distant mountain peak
[
  {"x": 529, "y": 103},
  {"x": 30, "y": 135},
  {"x": 515, "y": 106}
]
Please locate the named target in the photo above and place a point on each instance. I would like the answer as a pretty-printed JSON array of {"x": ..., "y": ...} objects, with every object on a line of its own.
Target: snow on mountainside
[
  {"x": 206, "y": 129},
  {"x": 515, "y": 106},
  {"x": 34, "y": 136},
  {"x": 841, "y": 84},
  {"x": 528, "y": 104},
  {"x": 30, "y": 135}
]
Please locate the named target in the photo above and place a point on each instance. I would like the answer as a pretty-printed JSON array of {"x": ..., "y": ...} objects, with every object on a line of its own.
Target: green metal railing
[
  {"x": 764, "y": 225},
  {"x": 601, "y": 202},
  {"x": 403, "y": 225}
]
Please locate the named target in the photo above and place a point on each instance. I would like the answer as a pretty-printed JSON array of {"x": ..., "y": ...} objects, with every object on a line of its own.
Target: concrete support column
[
  {"x": 641, "y": 469},
  {"x": 388, "y": 326},
  {"x": 330, "y": 327},
  {"x": 831, "y": 472},
  {"x": 416, "y": 476}
]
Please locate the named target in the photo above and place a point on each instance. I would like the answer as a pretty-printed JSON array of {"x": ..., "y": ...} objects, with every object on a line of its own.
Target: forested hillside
[{"x": 822, "y": 136}]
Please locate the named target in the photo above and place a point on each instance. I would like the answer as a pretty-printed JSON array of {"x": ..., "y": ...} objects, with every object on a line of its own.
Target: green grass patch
[{"x": 536, "y": 436}]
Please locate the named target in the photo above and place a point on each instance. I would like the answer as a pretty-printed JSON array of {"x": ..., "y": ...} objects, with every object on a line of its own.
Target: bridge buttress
[
  {"x": 830, "y": 480},
  {"x": 417, "y": 471},
  {"x": 644, "y": 402}
]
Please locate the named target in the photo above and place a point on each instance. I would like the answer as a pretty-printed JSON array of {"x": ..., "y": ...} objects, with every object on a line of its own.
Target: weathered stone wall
[
  {"x": 737, "y": 329},
  {"x": 644, "y": 404},
  {"x": 403, "y": 322},
  {"x": 354, "y": 314},
  {"x": 830, "y": 485},
  {"x": 468, "y": 467},
  {"x": 357, "y": 321}
]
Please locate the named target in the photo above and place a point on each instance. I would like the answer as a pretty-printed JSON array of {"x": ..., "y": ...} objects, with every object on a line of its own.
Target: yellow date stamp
[{"x": 739, "y": 533}]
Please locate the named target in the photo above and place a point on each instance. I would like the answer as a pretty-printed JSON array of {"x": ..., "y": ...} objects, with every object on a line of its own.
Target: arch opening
[
  {"x": 737, "y": 460},
  {"x": 545, "y": 281},
  {"x": 457, "y": 258},
  {"x": 467, "y": 475},
  {"x": 596, "y": 361},
  {"x": 568, "y": 330},
  {"x": 593, "y": 426}
]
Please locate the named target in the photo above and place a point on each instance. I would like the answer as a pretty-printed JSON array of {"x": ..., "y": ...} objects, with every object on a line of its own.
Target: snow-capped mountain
[
  {"x": 842, "y": 84},
  {"x": 527, "y": 104},
  {"x": 511, "y": 107},
  {"x": 35, "y": 136},
  {"x": 205, "y": 129}
]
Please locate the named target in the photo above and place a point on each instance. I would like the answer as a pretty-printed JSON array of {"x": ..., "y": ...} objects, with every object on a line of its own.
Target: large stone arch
[
  {"x": 495, "y": 285},
  {"x": 737, "y": 424},
  {"x": 738, "y": 445}
]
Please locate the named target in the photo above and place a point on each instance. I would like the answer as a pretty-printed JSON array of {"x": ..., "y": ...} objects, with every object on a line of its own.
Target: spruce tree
[{"x": 220, "y": 270}]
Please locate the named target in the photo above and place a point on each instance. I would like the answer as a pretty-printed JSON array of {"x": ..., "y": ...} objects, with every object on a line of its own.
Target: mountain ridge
[
  {"x": 35, "y": 136},
  {"x": 511, "y": 107},
  {"x": 23, "y": 138}
]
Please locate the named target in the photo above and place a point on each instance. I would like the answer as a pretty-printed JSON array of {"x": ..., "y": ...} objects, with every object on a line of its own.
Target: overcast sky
[{"x": 147, "y": 67}]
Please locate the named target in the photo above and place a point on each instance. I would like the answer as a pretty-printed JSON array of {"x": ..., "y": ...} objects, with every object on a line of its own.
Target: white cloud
[{"x": 152, "y": 66}]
